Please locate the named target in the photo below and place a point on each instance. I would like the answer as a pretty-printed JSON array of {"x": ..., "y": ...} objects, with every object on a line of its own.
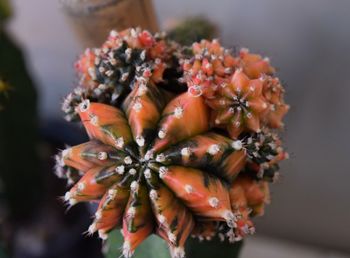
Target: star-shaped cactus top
[
  {"x": 148, "y": 164},
  {"x": 166, "y": 160}
]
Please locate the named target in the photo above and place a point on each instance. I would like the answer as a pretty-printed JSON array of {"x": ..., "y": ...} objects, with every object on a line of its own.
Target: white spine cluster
[{"x": 163, "y": 171}]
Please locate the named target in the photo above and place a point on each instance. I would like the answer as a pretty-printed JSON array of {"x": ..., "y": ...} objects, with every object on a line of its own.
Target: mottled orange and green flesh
[{"x": 176, "y": 164}]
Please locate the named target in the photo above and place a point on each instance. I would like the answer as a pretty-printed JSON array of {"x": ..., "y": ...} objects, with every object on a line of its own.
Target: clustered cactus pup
[{"x": 183, "y": 140}]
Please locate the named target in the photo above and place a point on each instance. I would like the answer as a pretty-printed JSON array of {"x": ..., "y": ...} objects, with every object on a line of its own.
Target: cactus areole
[{"x": 183, "y": 140}]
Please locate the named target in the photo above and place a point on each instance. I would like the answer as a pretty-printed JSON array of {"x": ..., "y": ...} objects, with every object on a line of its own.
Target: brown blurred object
[{"x": 93, "y": 19}]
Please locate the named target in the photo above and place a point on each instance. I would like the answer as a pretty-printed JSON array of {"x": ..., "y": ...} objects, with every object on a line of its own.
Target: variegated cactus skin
[{"x": 169, "y": 161}]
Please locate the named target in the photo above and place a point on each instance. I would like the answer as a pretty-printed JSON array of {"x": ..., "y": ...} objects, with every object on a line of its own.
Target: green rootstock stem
[
  {"x": 19, "y": 160},
  {"x": 155, "y": 247}
]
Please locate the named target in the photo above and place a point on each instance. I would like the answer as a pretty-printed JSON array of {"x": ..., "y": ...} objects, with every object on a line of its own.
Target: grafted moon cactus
[{"x": 166, "y": 160}]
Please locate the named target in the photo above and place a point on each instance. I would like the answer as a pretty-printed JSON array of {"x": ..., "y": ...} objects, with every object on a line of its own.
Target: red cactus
[
  {"x": 239, "y": 104},
  {"x": 254, "y": 65},
  {"x": 172, "y": 162}
]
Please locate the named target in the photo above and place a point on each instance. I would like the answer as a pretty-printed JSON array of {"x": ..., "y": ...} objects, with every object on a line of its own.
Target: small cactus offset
[{"x": 183, "y": 140}]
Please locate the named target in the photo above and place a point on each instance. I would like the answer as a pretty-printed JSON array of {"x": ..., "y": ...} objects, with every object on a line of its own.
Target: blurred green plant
[{"x": 193, "y": 29}]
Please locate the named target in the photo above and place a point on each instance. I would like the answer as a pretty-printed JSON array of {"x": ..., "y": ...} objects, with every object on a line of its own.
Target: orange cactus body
[
  {"x": 83, "y": 65},
  {"x": 205, "y": 71},
  {"x": 183, "y": 117},
  {"x": 175, "y": 227},
  {"x": 239, "y": 105},
  {"x": 89, "y": 150},
  {"x": 249, "y": 194},
  {"x": 206, "y": 196},
  {"x": 180, "y": 143},
  {"x": 88, "y": 188},
  {"x": 205, "y": 151},
  {"x": 254, "y": 65},
  {"x": 137, "y": 221},
  {"x": 273, "y": 93},
  {"x": 110, "y": 211}
]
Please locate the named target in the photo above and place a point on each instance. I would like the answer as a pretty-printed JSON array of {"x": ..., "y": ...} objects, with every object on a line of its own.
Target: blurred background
[{"x": 307, "y": 40}]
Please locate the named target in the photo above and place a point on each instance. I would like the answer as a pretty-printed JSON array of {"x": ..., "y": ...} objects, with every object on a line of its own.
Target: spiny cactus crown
[{"x": 183, "y": 141}]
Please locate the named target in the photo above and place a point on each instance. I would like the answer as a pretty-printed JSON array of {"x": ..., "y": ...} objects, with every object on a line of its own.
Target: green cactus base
[
  {"x": 155, "y": 247},
  {"x": 213, "y": 248}
]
